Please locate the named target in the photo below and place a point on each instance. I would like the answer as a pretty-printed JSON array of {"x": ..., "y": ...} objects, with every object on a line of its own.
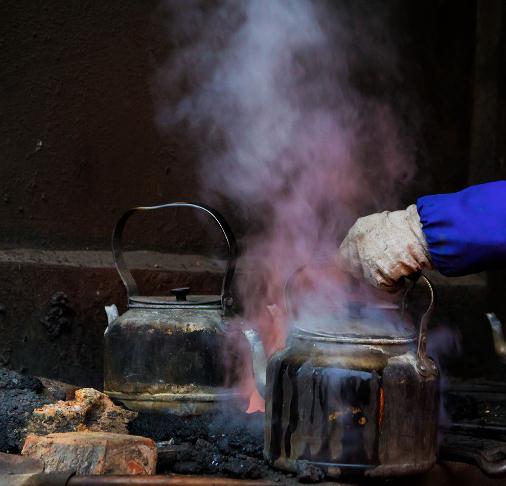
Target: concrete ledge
[
  {"x": 52, "y": 315},
  {"x": 143, "y": 260}
]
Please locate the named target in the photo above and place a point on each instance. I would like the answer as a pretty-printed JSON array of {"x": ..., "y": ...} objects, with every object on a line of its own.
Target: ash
[
  {"x": 19, "y": 395},
  {"x": 224, "y": 442}
]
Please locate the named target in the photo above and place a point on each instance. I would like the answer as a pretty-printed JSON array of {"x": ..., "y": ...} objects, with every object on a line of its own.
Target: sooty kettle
[
  {"x": 166, "y": 353},
  {"x": 358, "y": 398}
]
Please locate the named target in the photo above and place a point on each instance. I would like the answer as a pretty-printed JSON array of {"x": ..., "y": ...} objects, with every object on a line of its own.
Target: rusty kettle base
[
  {"x": 194, "y": 403},
  {"x": 368, "y": 421}
]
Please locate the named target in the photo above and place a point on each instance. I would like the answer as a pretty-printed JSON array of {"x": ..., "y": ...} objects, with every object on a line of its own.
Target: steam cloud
[{"x": 286, "y": 101}]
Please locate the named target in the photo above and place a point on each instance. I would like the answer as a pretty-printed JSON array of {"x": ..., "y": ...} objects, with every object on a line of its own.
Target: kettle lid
[
  {"x": 178, "y": 299},
  {"x": 329, "y": 305},
  {"x": 356, "y": 323}
]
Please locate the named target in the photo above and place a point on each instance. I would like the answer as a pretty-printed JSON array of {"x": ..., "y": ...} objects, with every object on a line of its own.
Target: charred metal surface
[
  {"x": 170, "y": 359},
  {"x": 349, "y": 411},
  {"x": 408, "y": 435}
]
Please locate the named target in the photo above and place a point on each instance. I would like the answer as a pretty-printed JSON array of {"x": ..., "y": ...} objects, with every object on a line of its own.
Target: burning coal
[{"x": 286, "y": 100}]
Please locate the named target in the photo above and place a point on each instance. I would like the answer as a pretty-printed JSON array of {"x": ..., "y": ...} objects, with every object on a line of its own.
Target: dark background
[{"x": 78, "y": 145}]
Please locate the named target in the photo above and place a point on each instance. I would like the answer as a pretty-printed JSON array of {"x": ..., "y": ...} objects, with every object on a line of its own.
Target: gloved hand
[{"x": 384, "y": 247}]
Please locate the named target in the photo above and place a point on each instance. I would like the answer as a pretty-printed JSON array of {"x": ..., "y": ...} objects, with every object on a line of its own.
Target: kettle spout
[
  {"x": 498, "y": 336},
  {"x": 112, "y": 315},
  {"x": 258, "y": 358}
]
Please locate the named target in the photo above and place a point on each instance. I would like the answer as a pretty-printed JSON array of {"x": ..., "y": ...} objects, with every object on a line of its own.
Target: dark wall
[
  {"x": 78, "y": 142},
  {"x": 437, "y": 42}
]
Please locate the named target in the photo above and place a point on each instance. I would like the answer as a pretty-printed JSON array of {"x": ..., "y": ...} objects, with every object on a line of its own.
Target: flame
[
  {"x": 272, "y": 330},
  {"x": 381, "y": 406},
  {"x": 256, "y": 402}
]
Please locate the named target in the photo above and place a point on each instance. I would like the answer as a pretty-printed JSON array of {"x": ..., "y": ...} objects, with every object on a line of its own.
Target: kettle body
[
  {"x": 353, "y": 404},
  {"x": 167, "y": 353},
  {"x": 350, "y": 409}
]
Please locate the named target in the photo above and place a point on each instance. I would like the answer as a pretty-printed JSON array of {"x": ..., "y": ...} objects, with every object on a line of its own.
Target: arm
[
  {"x": 458, "y": 234},
  {"x": 466, "y": 230}
]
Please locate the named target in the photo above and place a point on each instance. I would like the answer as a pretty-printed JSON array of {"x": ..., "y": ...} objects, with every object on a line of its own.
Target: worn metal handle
[
  {"x": 287, "y": 291},
  {"x": 126, "y": 275},
  {"x": 424, "y": 365}
]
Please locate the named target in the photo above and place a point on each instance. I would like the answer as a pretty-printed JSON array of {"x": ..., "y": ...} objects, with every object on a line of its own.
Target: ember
[{"x": 225, "y": 442}]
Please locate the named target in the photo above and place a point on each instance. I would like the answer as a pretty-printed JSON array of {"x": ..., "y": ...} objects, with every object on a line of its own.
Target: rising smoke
[{"x": 286, "y": 101}]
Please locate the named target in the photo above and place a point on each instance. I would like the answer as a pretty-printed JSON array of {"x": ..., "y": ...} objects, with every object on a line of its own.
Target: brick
[{"x": 93, "y": 453}]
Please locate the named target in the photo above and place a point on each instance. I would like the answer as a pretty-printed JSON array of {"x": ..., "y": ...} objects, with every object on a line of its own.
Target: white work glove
[{"x": 384, "y": 247}]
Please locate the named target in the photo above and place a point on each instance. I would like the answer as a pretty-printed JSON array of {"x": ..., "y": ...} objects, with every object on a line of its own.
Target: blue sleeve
[{"x": 466, "y": 230}]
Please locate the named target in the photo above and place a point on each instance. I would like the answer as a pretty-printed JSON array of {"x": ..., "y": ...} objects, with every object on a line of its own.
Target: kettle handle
[
  {"x": 287, "y": 290},
  {"x": 424, "y": 365},
  {"x": 126, "y": 275}
]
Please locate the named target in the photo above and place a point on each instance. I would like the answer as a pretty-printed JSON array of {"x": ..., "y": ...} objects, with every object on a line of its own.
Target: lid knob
[{"x": 180, "y": 293}]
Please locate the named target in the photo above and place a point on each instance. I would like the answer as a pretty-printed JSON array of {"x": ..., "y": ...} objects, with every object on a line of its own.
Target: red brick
[{"x": 93, "y": 453}]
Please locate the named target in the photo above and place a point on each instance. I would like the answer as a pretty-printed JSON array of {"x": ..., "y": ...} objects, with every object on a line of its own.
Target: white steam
[{"x": 281, "y": 97}]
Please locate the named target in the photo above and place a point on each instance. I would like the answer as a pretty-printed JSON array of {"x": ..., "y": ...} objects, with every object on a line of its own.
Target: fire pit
[{"x": 225, "y": 446}]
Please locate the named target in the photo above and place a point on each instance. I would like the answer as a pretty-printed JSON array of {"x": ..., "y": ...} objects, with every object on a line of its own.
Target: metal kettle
[
  {"x": 352, "y": 402},
  {"x": 165, "y": 353}
]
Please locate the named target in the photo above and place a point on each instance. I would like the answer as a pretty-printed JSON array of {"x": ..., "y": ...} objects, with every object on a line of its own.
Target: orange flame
[{"x": 256, "y": 402}]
